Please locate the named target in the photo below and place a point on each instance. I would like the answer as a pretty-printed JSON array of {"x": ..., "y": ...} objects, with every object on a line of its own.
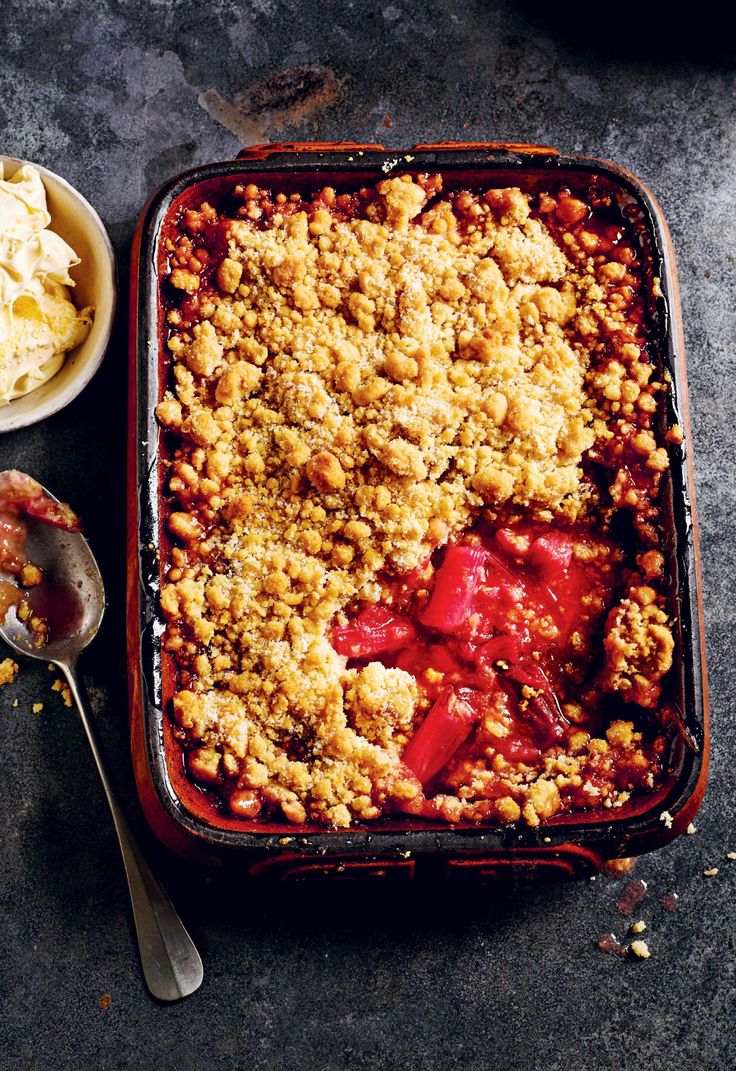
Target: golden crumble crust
[{"x": 355, "y": 391}]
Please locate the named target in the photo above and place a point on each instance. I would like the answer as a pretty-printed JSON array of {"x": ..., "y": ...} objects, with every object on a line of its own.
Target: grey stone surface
[{"x": 109, "y": 96}]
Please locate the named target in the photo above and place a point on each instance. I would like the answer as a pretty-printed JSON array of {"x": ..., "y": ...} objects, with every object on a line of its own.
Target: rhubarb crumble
[{"x": 414, "y": 561}]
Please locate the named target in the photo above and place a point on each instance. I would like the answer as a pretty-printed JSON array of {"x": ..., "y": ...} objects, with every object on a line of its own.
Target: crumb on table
[
  {"x": 8, "y": 671},
  {"x": 62, "y": 688},
  {"x": 640, "y": 949}
]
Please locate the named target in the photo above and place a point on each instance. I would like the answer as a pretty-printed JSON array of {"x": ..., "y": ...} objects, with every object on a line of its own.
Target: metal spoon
[{"x": 72, "y": 598}]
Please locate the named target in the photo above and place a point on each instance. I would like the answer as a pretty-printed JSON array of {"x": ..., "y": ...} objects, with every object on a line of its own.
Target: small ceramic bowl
[{"x": 95, "y": 276}]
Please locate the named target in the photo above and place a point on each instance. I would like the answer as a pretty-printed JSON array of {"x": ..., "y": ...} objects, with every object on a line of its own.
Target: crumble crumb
[
  {"x": 711, "y": 872},
  {"x": 638, "y": 927},
  {"x": 62, "y": 688},
  {"x": 619, "y": 868},
  {"x": 666, "y": 817},
  {"x": 8, "y": 671},
  {"x": 731, "y": 855},
  {"x": 37, "y": 708},
  {"x": 638, "y": 648},
  {"x": 691, "y": 830},
  {"x": 640, "y": 949}
]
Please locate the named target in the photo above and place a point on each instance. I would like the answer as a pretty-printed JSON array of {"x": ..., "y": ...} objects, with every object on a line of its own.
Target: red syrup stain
[
  {"x": 59, "y": 605},
  {"x": 609, "y": 943},
  {"x": 670, "y": 901},
  {"x": 632, "y": 896}
]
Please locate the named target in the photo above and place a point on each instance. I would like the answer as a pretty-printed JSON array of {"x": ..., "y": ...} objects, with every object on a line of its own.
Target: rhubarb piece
[
  {"x": 544, "y": 711},
  {"x": 418, "y": 658},
  {"x": 503, "y": 648},
  {"x": 20, "y": 495},
  {"x": 528, "y": 673},
  {"x": 446, "y": 726},
  {"x": 456, "y": 583},
  {"x": 375, "y": 631},
  {"x": 12, "y": 544},
  {"x": 515, "y": 544},
  {"x": 516, "y": 749},
  {"x": 551, "y": 554}
]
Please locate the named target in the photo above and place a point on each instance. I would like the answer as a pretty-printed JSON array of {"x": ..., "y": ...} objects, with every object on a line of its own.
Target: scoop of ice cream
[{"x": 39, "y": 323}]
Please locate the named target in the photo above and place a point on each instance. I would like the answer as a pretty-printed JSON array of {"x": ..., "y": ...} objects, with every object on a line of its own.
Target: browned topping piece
[
  {"x": 8, "y": 671},
  {"x": 325, "y": 472}
]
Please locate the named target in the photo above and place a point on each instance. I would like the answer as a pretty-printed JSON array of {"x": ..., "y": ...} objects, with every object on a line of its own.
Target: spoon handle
[{"x": 171, "y": 964}]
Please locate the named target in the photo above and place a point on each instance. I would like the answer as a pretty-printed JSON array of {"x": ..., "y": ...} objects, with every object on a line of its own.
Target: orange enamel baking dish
[{"x": 188, "y": 819}]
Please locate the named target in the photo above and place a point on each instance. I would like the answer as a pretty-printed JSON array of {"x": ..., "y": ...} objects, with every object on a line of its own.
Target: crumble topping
[{"x": 355, "y": 383}]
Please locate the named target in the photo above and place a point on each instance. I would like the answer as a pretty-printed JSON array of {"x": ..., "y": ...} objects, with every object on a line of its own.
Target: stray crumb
[
  {"x": 638, "y": 927},
  {"x": 389, "y": 165},
  {"x": 691, "y": 830},
  {"x": 8, "y": 671},
  {"x": 670, "y": 901},
  {"x": 547, "y": 840},
  {"x": 730, "y": 855},
  {"x": 105, "y": 1001},
  {"x": 666, "y": 817},
  {"x": 14, "y": 703},
  {"x": 37, "y": 708},
  {"x": 285, "y": 840},
  {"x": 617, "y": 868},
  {"x": 711, "y": 873},
  {"x": 62, "y": 688},
  {"x": 51, "y": 666},
  {"x": 608, "y": 942},
  {"x": 640, "y": 949},
  {"x": 408, "y": 159}
]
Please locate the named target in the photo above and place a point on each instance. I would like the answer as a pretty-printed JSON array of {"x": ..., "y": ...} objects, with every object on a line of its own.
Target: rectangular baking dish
[{"x": 182, "y": 815}]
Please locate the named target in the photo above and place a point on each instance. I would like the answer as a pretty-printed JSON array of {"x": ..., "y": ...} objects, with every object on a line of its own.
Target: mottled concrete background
[{"x": 117, "y": 97}]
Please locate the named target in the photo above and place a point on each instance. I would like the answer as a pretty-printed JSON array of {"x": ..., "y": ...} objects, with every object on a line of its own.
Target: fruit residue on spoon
[{"x": 23, "y": 501}]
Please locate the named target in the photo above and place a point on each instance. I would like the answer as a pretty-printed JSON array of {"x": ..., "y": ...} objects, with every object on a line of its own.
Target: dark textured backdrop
[{"x": 119, "y": 96}]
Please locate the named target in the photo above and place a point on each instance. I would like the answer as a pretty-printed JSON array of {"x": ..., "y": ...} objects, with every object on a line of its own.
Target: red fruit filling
[{"x": 503, "y": 620}]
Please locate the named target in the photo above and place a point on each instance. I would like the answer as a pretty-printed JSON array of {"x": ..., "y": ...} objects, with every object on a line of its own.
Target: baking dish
[{"x": 182, "y": 815}]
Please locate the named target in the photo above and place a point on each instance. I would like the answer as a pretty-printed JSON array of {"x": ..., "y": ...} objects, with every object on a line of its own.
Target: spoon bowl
[{"x": 71, "y": 597}]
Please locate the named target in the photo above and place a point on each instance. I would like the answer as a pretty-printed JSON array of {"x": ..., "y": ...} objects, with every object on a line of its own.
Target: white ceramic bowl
[{"x": 96, "y": 284}]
